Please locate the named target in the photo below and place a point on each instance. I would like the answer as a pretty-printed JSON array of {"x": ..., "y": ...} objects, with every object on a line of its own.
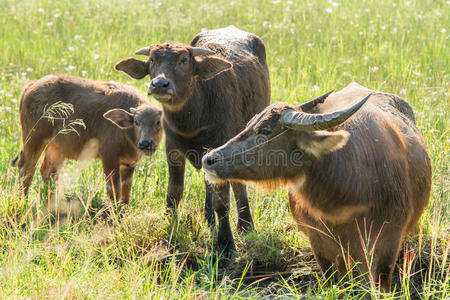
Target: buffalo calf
[
  {"x": 208, "y": 90},
  {"x": 118, "y": 126}
]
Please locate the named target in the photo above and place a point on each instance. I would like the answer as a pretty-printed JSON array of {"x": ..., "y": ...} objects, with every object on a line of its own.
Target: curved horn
[
  {"x": 307, "y": 106},
  {"x": 298, "y": 120},
  {"x": 133, "y": 110},
  {"x": 143, "y": 51},
  {"x": 201, "y": 51}
]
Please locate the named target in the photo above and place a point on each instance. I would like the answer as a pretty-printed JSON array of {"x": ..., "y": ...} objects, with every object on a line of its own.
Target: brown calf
[
  {"x": 120, "y": 126},
  {"x": 208, "y": 90}
]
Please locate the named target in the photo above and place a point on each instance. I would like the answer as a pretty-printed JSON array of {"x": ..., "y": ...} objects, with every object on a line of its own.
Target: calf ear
[
  {"x": 135, "y": 68},
  {"x": 209, "y": 66},
  {"x": 119, "y": 117},
  {"x": 318, "y": 143}
]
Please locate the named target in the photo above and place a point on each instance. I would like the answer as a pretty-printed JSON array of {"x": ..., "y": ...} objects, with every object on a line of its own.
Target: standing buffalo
[
  {"x": 358, "y": 177},
  {"x": 133, "y": 129},
  {"x": 209, "y": 90}
]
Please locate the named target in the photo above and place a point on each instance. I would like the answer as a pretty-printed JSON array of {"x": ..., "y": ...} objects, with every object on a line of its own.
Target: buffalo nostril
[
  {"x": 208, "y": 161},
  {"x": 144, "y": 145}
]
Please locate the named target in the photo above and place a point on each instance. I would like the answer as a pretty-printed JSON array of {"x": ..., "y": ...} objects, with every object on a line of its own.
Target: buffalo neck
[{"x": 190, "y": 117}]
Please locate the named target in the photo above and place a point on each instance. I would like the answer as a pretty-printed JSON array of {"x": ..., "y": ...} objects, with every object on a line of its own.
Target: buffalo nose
[
  {"x": 145, "y": 145},
  {"x": 209, "y": 160},
  {"x": 160, "y": 84}
]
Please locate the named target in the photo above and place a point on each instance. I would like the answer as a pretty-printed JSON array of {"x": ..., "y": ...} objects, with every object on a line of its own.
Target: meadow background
[{"x": 61, "y": 250}]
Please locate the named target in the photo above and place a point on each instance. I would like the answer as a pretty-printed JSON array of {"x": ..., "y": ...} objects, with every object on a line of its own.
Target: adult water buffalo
[
  {"x": 358, "y": 175},
  {"x": 209, "y": 90},
  {"x": 120, "y": 127}
]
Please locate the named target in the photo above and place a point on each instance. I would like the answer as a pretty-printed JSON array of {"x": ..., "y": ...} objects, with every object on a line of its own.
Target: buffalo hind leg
[
  {"x": 245, "y": 221},
  {"x": 221, "y": 204},
  {"x": 28, "y": 161},
  {"x": 126, "y": 177}
]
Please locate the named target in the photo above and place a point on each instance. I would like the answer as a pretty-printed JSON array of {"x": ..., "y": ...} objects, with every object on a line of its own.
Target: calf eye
[
  {"x": 151, "y": 61},
  {"x": 158, "y": 123},
  {"x": 265, "y": 131}
]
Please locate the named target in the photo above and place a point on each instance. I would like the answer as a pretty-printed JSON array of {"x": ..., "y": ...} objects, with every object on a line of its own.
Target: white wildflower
[
  {"x": 71, "y": 49},
  {"x": 69, "y": 68},
  {"x": 374, "y": 69},
  {"x": 315, "y": 88},
  {"x": 96, "y": 56},
  {"x": 328, "y": 10},
  {"x": 50, "y": 24},
  {"x": 83, "y": 73},
  {"x": 403, "y": 92},
  {"x": 29, "y": 69}
]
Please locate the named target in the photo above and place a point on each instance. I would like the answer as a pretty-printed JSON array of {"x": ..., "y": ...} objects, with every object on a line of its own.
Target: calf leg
[
  {"x": 126, "y": 176},
  {"x": 221, "y": 204},
  {"x": 111, "y": 168},
  {"x": 28, "y": 161},
  {"x": 52, "y": 164},
  {"x": 245, "y": 221}
]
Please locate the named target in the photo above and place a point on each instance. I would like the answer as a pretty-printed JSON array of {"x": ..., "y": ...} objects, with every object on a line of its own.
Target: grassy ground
[{"x": 313, "y": 46}]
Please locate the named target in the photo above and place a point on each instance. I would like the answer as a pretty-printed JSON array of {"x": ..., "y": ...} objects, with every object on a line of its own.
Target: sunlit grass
[{"x": 312, "y": 46}]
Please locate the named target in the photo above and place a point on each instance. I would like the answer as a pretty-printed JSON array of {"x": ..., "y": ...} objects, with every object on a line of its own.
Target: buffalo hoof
[{"x": 244, "y": 226}]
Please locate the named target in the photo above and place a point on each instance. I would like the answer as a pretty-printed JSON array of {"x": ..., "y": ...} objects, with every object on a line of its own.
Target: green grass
[{"x": 312, "y": 46}]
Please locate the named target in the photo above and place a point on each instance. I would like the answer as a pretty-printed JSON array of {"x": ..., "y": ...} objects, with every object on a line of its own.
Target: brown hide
[
  {"x": 355, "y": 189},
  {"x": 99, "y": 137}
]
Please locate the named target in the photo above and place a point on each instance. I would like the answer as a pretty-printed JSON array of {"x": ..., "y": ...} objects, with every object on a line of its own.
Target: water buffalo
[
  {"x": 120, "y": 126},
  {"x": 358, "y": 176},
  {"x": 208, "y": 90}
]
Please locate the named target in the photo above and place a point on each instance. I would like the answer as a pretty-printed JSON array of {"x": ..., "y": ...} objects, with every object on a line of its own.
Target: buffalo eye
[
  {"x": 183, "y": 61},
  {"x": 136, "y": 122},
  {"x": 265, "y": 131},
  {"x": 152, "y": 61},
  {"x": 158, "y": 123}
]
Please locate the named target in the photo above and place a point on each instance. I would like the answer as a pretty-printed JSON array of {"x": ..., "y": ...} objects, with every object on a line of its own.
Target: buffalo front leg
[
  {"x": 126, "y": 177},
  {"x": 221, "y": 204},
  {"x": 176, "y": 163},
  {"x": 52, "y": 164},
  {"x": 111, "y": 168},
  {"x": 245, "y": 221},
  {"x": 209, "y": 210}
]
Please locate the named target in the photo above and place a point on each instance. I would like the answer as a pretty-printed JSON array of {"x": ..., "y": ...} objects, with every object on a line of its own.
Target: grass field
[{"x": 312, "y": 46}]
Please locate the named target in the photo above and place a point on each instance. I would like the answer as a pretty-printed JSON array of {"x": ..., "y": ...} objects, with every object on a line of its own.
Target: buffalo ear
[
  {"x": 206, "y": 67},
  {"x": 318, "y": 143},
  {"x": 119, "y": 117},
  {"x": 135, "y": 68}
]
